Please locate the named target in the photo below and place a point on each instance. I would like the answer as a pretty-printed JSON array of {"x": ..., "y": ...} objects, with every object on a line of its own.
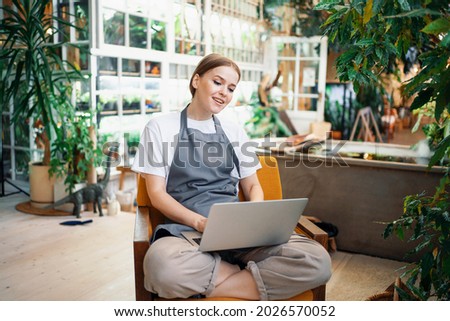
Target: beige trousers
[{"x": 175, "y": 269}]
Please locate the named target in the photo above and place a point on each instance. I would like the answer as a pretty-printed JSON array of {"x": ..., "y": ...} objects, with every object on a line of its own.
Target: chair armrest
[
  {"x": 311, "y": 230},
  {"x": 142, "y": 229},
  {"x": 314, "y": 232},
  {"x": 141, "y": 243}
]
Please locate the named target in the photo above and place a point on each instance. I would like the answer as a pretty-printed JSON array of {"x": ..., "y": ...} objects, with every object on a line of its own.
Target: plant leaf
[
  {"x": 441, "y": 25},
  {"x": 423, "y": 98},
  {"x": 367, "y": 12},
  {"x": 440, "y": 152}
]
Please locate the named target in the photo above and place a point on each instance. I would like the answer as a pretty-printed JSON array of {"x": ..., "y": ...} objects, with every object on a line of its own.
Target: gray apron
[{"x": 200, "y": 173}]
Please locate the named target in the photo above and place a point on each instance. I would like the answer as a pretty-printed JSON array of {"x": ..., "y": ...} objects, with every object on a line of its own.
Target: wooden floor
[{"x": 43, "y": 260}]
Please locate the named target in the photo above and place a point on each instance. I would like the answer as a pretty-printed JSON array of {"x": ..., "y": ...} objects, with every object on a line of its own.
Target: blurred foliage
[{"x": 378, "y": 35}]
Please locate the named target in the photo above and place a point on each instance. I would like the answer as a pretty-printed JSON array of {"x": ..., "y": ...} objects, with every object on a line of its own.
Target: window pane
[
  {"x": 113, "y": 27},
  {"x": 82, "y": 14},
  {"x": 309, "y": 73},
  {"x": 5, "y": 130},
  {"x": 215, "y": 29},
  {"x": 130, "y": 84},
  {"x": 131, "y": 67},
  {"x": 138, "y": 32},
  {"x": 82, "y": 95},
  {"x": 152, "y": 101},
  {"x": 187, "y": 30},
  {"x": 22, "y": 134},
  {"x": 307, "y": 104},
  {"x": 108, "y": 83},
  {"x": 107, "y": 66},
  {"x": 107, "y": 103},
  {"x": 309, "y": 49},
  {"x": 152, "y": 69},
  {"x": 158, "y": 30},
  {"x": 64, "y": 14},
  {"x": 7, "y": 163},
  {"x": 22, "y": 160},
  {"x": 286, "y": 50},
  {"x": 78, "y": 56},
  {"x": 131, "y": 103}
]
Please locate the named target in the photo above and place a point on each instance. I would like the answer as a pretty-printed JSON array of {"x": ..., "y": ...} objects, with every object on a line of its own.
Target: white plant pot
[{"x": 41, "y": 185}]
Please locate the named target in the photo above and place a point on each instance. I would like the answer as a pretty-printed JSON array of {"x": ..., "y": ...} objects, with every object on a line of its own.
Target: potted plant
[
  {"x": 378, "y": 35},
  {"x": 265, "y": 120},
  {"x": 334, "y": 114},
  {"x": 38, "y": 82}
]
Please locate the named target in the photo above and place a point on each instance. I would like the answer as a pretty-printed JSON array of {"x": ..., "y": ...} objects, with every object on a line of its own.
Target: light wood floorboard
[{"x": 43, "y": 260}]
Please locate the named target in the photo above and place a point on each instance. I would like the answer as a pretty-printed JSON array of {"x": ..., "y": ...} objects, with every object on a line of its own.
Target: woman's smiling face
[{"x": 214, "y": 89}]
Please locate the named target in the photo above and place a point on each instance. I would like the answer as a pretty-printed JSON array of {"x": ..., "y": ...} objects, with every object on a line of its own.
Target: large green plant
[
  {"x": 38, "y": 83},
  {"x": 378, "y": 34},
  {"x": 34, "y": 68},
  {"x": 75, "y": 146}
]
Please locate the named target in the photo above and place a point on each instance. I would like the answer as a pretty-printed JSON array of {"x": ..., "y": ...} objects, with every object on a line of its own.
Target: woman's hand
[
  {"x": 171, "y": 208},
  {"x": 200, "y": 223}
]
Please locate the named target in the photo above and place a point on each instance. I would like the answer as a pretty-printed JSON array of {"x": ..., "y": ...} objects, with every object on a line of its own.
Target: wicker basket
[{"x": 391, "y": 293}]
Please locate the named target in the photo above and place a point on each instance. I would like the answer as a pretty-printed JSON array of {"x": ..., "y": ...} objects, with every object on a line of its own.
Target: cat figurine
[{"x": 113, "y": 206}]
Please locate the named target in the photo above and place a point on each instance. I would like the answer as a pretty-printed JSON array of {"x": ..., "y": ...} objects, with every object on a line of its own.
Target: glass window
[
  {"x": 64, "y": 14},
  {"x": 107, "y": 66},
  {"x": 131, "y": 102},
  {"x": 183, "y": 96},
  {"x": 130, "y": 84},
  {"x": 5, "y": 130},
  {"x": 286, "y": 50},
  {"x": 152, "y": 69},
  {"x": 152, "y": 101},
  {"x": 114, "y": 27},
  {"x": 138, "y": 32},
  {"x": 22, "y": 160},
  {"x": 158, "y": 31},
  {"x": 82, "y": 95},
  {"x": 152, "y": 84},
  {"x": 82, "y": 14},
  {"x": 22, "y": 134},
  {"x": 107, "y": 103},
  {"x": 187, "y": 30},
  {"x": 215, "y": 30},
  {"x": 7, "y": 162},
  {"x": 131, "y": 67},
  {"x": 108, "y": 83},
  {"x": 78, "y": 56},
  {"x": 309, "y": 72},
  {"x": 226, "y": 32},
  {"x": 309, "y": 49}
]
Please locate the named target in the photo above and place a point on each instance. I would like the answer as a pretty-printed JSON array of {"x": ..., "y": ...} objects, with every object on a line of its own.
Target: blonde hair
[{"x": 209, "y": 62}]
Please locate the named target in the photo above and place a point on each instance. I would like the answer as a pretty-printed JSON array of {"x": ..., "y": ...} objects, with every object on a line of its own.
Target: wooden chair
[{"x": 147, "y": 218}]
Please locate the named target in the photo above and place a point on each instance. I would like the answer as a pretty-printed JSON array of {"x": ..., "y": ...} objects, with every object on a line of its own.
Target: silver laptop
[{"x": 248, "y": 224}]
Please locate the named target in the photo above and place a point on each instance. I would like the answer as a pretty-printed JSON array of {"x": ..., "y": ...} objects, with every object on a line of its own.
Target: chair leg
[{"x": 319, "y": 293}]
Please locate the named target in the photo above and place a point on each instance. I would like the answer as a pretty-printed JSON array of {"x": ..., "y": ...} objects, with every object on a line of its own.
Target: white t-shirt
[{"x": 158, "y": 140}]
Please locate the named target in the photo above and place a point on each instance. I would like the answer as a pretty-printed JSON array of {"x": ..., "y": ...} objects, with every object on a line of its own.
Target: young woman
[{"x": 175, "y": 156}]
